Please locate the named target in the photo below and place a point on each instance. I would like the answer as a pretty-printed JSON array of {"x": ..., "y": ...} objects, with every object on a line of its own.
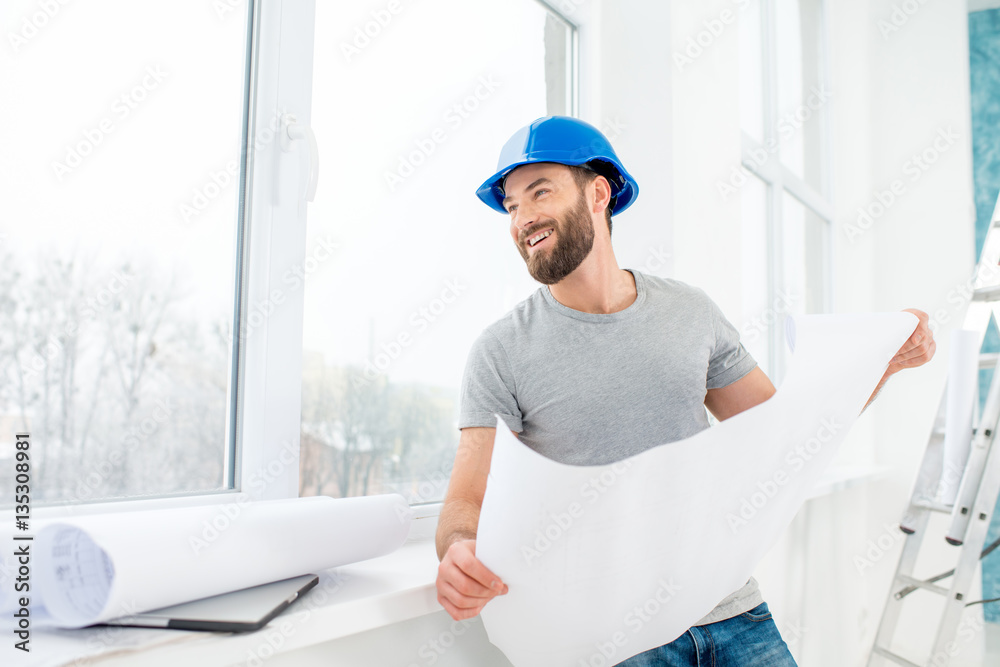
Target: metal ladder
[{"x": 977, "y": 495}]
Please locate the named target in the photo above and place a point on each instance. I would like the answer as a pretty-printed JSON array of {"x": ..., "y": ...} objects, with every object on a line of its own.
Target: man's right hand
[{"x": 464, "y": 584}]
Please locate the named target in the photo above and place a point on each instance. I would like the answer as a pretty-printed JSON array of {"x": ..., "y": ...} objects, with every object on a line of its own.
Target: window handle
[{"x": 291, "y": 131}]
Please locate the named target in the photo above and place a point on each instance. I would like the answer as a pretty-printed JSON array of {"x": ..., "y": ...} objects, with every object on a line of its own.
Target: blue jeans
[{"x": 750, "y": 639}]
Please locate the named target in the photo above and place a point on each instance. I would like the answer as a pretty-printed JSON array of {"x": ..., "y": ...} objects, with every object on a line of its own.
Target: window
[
  {"x": 178, "y": 325},
  {"x": 410, "y": 113},
  {"x": 786, "y": 199},
  {"x": 121, "y": 175}
]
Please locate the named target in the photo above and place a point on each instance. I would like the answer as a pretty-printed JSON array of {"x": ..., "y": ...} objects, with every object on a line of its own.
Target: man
[{"x": 599, "y": 364}]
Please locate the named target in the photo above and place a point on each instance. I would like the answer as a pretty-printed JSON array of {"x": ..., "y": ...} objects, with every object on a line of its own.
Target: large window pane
[
  {"x": 119, "y": 159},
  {"x": 802, "y": 98},
  {"x": 559, "y": 66},
  {"x": 805, "y": 256},
  {"x": 752, "y": 71},
  {"x": 761, "y": 313},
  {"x": 410, "y": 121}
]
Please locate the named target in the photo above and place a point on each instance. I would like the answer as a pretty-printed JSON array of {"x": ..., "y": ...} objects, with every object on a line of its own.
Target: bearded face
[{"x": 557, "y": 255}]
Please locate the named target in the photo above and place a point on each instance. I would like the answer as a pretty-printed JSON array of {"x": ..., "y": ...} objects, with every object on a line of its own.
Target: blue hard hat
[{"x": 564, "y": 140}]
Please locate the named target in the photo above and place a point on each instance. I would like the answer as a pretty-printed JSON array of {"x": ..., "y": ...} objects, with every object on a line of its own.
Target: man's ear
[{"x": 602, "y": 194}]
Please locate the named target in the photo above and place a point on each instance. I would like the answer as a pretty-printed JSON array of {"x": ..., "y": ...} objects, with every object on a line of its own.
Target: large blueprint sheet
[{"x": 604, "y": 562}]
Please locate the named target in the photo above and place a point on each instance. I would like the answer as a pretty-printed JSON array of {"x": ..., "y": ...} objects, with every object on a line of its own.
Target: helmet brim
[{"x": 492, "y": 194}]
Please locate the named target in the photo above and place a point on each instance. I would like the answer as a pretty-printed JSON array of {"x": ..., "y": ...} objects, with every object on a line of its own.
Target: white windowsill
[{"x": 347, "y": 600}]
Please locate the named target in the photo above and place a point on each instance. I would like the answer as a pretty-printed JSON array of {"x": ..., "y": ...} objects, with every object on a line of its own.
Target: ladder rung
[
  {"x": 988, "y": 360},
  {"x": 934, "y": 507},
  {"x": 898, "y": 659},
  {"x": 991, "y": 293},
  {"x": 906, "y": 579}
]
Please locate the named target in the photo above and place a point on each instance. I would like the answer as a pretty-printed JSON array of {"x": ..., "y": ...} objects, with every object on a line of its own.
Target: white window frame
[{"x": 779, "y": 179}]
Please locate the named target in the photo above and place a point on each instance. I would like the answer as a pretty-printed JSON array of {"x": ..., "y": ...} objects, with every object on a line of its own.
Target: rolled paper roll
[
  {"x": 963, "y": 380},
  {"x": 94, "y": 568}
]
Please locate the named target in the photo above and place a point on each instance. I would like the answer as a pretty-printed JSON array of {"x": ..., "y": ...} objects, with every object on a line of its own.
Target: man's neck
[{"x": 596, "y": 286}]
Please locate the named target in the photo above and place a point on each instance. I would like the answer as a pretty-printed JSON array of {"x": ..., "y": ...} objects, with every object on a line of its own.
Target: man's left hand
[
  {"x": 918, "y": 348},
  {"x": 916, "y": 351}
]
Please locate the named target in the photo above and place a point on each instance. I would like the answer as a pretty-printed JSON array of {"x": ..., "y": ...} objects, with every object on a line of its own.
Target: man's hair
[{"x": 585, "y": 177}]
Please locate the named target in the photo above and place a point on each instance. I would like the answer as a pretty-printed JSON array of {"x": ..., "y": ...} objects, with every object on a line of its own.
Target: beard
[{"x": 574, "y": 241}]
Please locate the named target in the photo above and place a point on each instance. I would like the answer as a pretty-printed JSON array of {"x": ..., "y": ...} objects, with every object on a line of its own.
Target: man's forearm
[{"x": 459, "y": 520}]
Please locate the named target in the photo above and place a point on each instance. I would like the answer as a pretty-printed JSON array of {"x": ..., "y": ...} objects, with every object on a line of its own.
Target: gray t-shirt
[{"x": 594, "y": 388}]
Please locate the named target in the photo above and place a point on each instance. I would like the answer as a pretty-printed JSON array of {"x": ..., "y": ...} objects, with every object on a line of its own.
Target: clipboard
[{"x": 244, "y": 610}]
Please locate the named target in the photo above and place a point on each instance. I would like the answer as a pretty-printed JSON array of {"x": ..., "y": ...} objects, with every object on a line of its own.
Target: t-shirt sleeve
[
  {"x": 730, "y": 360},
  {"x": 488, "y": 387}
]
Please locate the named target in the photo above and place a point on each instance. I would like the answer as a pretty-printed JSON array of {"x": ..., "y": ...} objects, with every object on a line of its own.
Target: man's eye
[
  {"x": 512, "y": 209},
  {"x": 540, "y": 192}
]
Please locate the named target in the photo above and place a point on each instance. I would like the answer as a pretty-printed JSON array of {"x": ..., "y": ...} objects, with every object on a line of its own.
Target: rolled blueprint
[
  {"x": 963, "y": 380},
  {"x": 94, "y": 568},
  {"x": 605, "y": 562}
]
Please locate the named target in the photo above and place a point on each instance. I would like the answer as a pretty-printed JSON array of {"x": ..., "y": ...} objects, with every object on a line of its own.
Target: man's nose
[{"x": 525, "y": 215}]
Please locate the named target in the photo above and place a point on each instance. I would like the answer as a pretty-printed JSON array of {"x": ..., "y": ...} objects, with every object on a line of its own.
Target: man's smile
[{"x": 537, "y": 238}]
